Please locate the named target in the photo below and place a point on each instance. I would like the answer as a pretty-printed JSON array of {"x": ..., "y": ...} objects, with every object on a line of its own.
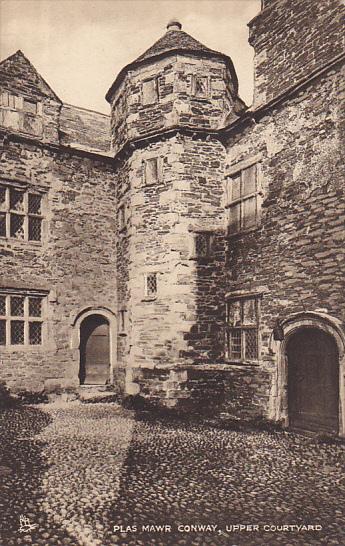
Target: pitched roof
[
  {"x": 17, "y": 73},
  {"x": 84, "y": 129},
  {"x": 174, "y": 40}
]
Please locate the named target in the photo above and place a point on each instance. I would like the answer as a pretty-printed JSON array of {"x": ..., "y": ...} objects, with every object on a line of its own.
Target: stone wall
[
  {"x": 177, "y": 103},
  {"x": 75, "y": 263},
  {"x": 296, "y": 257},
  {"x": 291, "y": 40}
]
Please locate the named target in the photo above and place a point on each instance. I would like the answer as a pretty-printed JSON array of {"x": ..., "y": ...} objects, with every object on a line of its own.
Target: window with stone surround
[
  {"x": 150, "y": 91},
  {"x": 121, "y": 217},
  {"x": 122, "y": 321},
  {"x": 243, "y": 199},
  {"x": 242, "y": 332},
  {"x": 20, "y": 214},
  {"x": 21, "y": 113},
  {"x": 150, "y": 285},
  {"x": 202, "y": 245},
  {"x": 21, "y": 318},
  {"x": 152, "y": 172},
  {"x": 200, "y": 86}
]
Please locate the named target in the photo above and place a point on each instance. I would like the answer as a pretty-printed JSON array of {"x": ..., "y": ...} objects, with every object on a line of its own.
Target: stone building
[{"x": 187, "y": 249}]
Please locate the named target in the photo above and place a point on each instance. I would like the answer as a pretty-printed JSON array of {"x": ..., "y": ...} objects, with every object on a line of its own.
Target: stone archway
[
  {"x": 280, "y": 406},
  {"x": 94, "y": 363},
  {"x": 94, "y": 344},
  {"x": 313, "y": 381}
]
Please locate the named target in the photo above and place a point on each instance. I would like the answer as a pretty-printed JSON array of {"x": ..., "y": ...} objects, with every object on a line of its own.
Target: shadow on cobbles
[
  {"x": 22, "y": 466},
  {"x": 179, "y": 474}
]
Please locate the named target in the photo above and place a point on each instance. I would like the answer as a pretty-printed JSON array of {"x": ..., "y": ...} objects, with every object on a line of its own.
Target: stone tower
[{"x": 166, "y": 109}]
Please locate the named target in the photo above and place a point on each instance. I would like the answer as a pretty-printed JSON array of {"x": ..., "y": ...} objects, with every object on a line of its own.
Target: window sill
[
  {"x": 243, "y": 232},
  {"x": 20, "y": 241},
  {"x": 243, "y": 363},
  {"x": 147, "y": 299},
  {"x": 122, "y": 334},
  {"x": 201, "y": 259},
  {"x": 23, "y": 348}
]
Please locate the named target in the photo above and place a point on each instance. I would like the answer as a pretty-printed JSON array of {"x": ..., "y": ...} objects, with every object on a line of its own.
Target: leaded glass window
[
  {"x": 20, "y": 214},
  {"x": 202, "y": 245},
  {"x": 243, "y": 329},
  {"x": 21, "y": 319},
  {"x": 151, "y": 284}
]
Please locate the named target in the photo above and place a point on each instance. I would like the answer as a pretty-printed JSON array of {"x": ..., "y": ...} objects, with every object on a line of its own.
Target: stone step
[{"x": 96, "y": 393}]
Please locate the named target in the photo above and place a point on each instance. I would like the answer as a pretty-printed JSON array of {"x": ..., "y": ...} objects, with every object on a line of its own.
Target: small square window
[
  {"x": 200, "y": 86},
  {"x": 150, "y": 91},
  {"x": 202, "y": 245},
  {"x": 151, "y": 284}
]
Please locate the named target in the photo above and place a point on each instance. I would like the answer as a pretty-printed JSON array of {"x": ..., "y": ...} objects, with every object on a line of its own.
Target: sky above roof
[{"x": 79, "y": 46}]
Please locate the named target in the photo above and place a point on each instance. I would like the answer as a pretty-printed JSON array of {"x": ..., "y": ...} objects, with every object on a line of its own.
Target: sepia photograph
[{"x": 172, "y": 260}]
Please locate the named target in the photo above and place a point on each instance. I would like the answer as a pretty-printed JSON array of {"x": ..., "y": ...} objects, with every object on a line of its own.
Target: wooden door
[
  {"x": 313, "y": 381},
  {"x": 94, "y": 351}
]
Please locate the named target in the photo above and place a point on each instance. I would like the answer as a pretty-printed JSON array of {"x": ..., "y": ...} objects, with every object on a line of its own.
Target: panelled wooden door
[
  {"x": 94, "y": 351},
  {"x": 313, "y": 381}
]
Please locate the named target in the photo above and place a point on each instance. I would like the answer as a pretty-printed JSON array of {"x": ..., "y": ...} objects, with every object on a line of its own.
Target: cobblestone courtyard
[{"x": 78, "y": 471}]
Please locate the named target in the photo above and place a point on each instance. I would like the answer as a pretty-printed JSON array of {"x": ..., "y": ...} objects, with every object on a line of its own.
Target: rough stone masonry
[{"x": 186, "y": 247}]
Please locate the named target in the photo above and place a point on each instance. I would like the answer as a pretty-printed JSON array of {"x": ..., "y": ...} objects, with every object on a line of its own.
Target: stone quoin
[{"x": 187, "y": 248}]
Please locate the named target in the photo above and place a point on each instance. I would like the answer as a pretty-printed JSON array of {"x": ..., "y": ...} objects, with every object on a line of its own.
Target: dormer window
[{"x": 150, "y": 91}]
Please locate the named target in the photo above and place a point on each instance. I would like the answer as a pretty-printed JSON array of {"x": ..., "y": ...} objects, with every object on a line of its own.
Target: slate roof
[
  {"x": 172, "y": 41},
  {"x": 175, "y": 39},
  {"x": 17, "y": 73},
  {"x": 84, "y": 129}
]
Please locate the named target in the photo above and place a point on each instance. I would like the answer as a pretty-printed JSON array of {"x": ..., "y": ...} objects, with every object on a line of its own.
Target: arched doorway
[
  {"x": 94, "y": 351},
  {"x": 313, "y": 380}
]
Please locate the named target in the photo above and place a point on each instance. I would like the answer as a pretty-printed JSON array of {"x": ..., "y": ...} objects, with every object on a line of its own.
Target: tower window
[
  {"x": 150, "y": 91},
  {"x": 242, "y": 329},
  {"x": 122, "y": 217},
  {"x": 151, "y": 285},
  {"x": 152, "y": 171},
  {"x": 122, "y": 321},
  {"x": 243, "y": 200},
  {"x": 202, "y": 245},
  {"x": 200, "y": 86}
]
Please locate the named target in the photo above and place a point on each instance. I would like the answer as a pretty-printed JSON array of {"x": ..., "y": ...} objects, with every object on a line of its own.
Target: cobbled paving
[{"x": 98, "y": 475}]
